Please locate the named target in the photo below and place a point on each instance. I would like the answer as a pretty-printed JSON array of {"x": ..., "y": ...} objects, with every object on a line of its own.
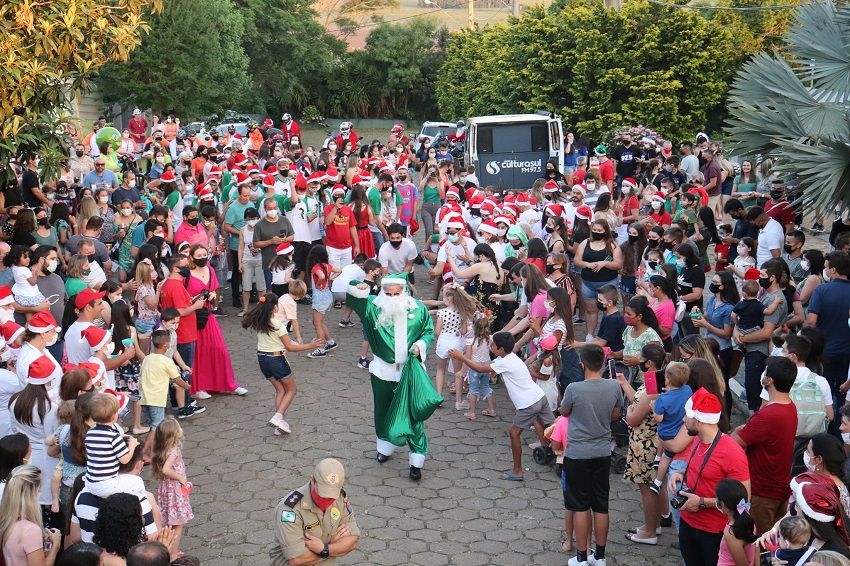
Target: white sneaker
[
  {"x": 239, "y": 391},
  {"x": 588, "y": 338},
  {"x": 574, "y": 561},
  {"x": 594, "y": 562},
  {"x": 284, "y": 427},
  {"x": 202, "y": 395},
  {"x": 535, "y": 445},
  {"x": 277, "y": 432}
]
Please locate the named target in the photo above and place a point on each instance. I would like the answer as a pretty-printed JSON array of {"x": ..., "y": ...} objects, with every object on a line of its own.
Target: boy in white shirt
[{"x": 339, "y": 285}]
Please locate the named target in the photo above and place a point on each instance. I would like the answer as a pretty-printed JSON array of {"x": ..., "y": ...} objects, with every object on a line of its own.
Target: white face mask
[
  {"x": 103, "y": 200},
  {"x": 252, "y": 223},
  {"x": 332, "y": 146},
  {"x": 591, "y": 187},
  {"x": 272, "y": 213},
  {"x": 656, "y": 204},
  {"x": 131, "y": 184},
  {"x": 664, "y": 191},
  {"x": 126, "y": 211},
  {"x": 160, "y": 160},
  {"x": 110, "y": 348},
  {"x": 805, "y": 265},
  {"x": 502, "y": 232},
  {"x": 51, "y": 265},
  {"x": 807, "y": 460},
  {"x": 627, "y": 189},
  {"x": 825, "y": 275},
  {"x": 549, "y": 307},
  {"x": 55, "y": 338},
  {"x": 845, "y": 436}
]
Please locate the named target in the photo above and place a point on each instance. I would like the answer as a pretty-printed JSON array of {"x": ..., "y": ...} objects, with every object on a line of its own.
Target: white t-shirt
[
  {"x": 76, "y": 349},
  {"x": 304, "y": 230},
  {"x": 690, "y": 166},
  {"x": 282, "y": 188},
  {"x": 395, "y": 259},
  {"x": 806, "y": 373},
  {"x": 771, "y": 237},
  {"x": 521, "y": 388},
  {"x": 532, "y": 218},
  {"x": 28, "y": 354},
  {"x": 96, "y": 277},
  {"x": 457, "y": 249},
  {"x": 349, "y": 273},
  {"x": 23, "y": 287}
]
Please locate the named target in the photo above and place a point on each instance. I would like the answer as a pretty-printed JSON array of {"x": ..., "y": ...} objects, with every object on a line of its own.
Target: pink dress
[
  {"x": 212, "y": 370},
  {"x": 173, "y": 505}
]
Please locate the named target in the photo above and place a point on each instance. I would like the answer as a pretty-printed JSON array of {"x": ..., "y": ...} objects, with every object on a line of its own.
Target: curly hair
[{"x": 119, "y": 525}]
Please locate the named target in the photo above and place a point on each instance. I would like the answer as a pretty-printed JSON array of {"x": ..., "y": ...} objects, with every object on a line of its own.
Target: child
[
  {"x": 25, "y": 291},
  {"x": 250, "y": 260},
  {"x": 322, "y": 273},
  {"x": 272, "y": 345},
  {"x": 778, "y": 340},
  {"x": 739, "y": 537},
  {"x": 102, "y": 344},
  {"x": 355, "y": 271},
  {"x": 477, "y": 341},
  {"x": 794, "y": 535},
  {"x": 451, "y": 326},
  {"x": 530, "y": 402},
  {"x": 147, "y": 302},
  {"x": 282, "y": 268},
  {"x": 748, "y": 315},
  {"x": 127, "y": 375},
  {"x": 373, "y": 274},
  {"x": 157, "y": 372},
  {"x": 557, "y": 435},
  {"x": 106, "y": 447},
  {"x": 288, "y": 311},
  {"x": 721, "y": 251},
  {"x": 186, "y": 407},
  {"x": 744, "y": 260},
  {"x": 654, "y": 260},
  {"x": 669, "y": 412},
  {"x": 613, "y": 324},
  {"x": 64, "y": 415},
  {"x": 172, "y": 493},
  {"x": 545, "y": 368}
]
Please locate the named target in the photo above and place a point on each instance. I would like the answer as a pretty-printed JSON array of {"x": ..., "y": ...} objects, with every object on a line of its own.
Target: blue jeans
[
  {"x": 479, "y": 384},
  {"x": 755, "y": 364},
  {"x": 187, "y": 352},
  {"x": 378, "y": 238},
  {"x": 675, "y": 466}
]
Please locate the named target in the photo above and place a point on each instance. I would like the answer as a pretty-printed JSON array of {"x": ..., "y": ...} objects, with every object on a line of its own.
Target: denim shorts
[
  {"x": 274, "y": 367},
  {"x": 145, "y": 326},
  {"x": 627, "y": 286},
  {"x": 322, "y": 300},
  {"x": 154, "y": 415},
  {"x": 589, "y": 289},
  {"x": 569, "y": 169},
  {"x": 479, "y": 384}
]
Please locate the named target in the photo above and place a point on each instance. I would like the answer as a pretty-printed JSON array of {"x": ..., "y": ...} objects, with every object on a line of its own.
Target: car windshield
[
  {"x": 434, "y": 131},
  {"x": 241, "y": 129}
]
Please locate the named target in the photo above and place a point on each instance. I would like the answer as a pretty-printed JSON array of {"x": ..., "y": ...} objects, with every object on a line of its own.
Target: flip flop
[
  {"x": 565, "y": 544},
  {"x": 488, "y": 413},
  {"x": 509, "y": 476},
  {"x": 650, "y": 541}
]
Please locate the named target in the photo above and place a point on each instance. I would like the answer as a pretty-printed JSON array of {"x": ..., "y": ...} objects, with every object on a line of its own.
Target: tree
[
  {"x": 48, "y": 50},
  {"x": 342, "y": 17},
  {"x": 795, "y": 108},
  {"x": 191, "y": 62},
  {"x": 292, "y": 56},
  {"x": 600, "y": 69}
]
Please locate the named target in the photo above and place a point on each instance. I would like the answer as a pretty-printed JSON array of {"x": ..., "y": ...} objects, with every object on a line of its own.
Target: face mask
[
  {"x": 714, "y": 288},
  {"x": 652, "y": 243},
  {"x": 591, "y": 187},
  {"x": 192, "y": 221},
  {"x": 629, "y": 320},
  {"x": 53, "y": 340},
  {"x": 160, "y": 160},
  {"x": 502, "y": 232},
  {"x": 680, "y": 263},
  {"x": 427, "y": 145},
  {"x": 110, "y": 348},
  {"x": 516, "y": 246},
  {"x": 201, "y": 261},
  {"x": 482, "y": 240},
  {"x": 776, "y": 195},
  {"x": 626, "y": 189},
  {"x": 643, "y": 367},
  {"x": 80, "y": 153},
  {"x": 597, "y": 235},
  {"x": 633, "y": 239},
  {"x": 272, "y": 213},
  {"x": 664, "y": 191},
  {"x": 42, "y": 221},
  {"x": 51, "y": 265},
  {"x": 332, "y": 146},
  {"x": 743, "y": 250},
  {"x": 656, "y": 205},
  {"x": 278, "y": 154},
  {"x": 252, "y": 223},
  {"x": 184, "y": 271},
  {"x": 432, "y": 155},
  {"x": 50, "y": 196},
  {"x": 807, "y": 461},
  {"x": 126, "y": 211},
  {"x": 165, "y": 251},
  {"x": 845, "y": 437},
  {"x": 825, "y": 275},
  {"x": 549, "y": 308},
  {"x": 764, "y": 282},
  {"x": 805, "y": 265},
  {"x": 550, "y": 269},
  {"x": 600, "y": 306},
  {"x": 550, "y": 229},
  {"x": 396, "y": 245},
  {"x": 86, "y": 272},
  {"x": 103, "y": 200},
  {"x": 653, "y": 265},
  {"x": 788, "y": 249},
  {"x": 91, "y": 258},
  {"x": 668, "y": 168},
  {"x": 453, "y": 238}
]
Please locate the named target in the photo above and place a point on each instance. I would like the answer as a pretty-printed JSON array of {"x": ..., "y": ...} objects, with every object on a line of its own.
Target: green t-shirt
[
  {"x": 172, "y": 200},
  {"x": 74, "y": 286},
  {"x": 236, "y": 218},
  {"x": 431, "y": 194},
  {"x": 283, "y": 203},
  {"x": 374, "y": 196}
]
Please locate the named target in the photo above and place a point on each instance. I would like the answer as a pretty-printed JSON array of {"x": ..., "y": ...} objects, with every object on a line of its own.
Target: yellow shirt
[
  {"x": 270, "y": 341},
  {"x": 157, "y": 372}
]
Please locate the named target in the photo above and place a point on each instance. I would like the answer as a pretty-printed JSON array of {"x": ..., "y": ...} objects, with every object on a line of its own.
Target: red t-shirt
[
  {"x": 174, "y": 294},
  {"x": 662, "y": 218},
  {"x": 138, "y": 130},
  {"x": 781, "y": 211},
  {"x": 324, "y": 268},
  {"x": 769, "y": 435},
  {"x": 606, "y": 171},
  {"x": 629, "y": 205},
  {"x": 338, "y": 234},
  {"x": 541, "y": 265},
  {"x": 578, "y": 176},
  {"x": 727, "y": 461}
]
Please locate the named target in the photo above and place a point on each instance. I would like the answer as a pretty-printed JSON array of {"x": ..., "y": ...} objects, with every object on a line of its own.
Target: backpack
[{"x": 811, "y": 411}]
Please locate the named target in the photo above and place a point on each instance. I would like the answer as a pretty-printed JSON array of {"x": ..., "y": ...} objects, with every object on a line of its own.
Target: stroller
[{"x": 619, "y": 428}]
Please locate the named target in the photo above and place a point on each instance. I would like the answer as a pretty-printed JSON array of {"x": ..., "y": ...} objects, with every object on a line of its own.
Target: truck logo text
[{"x": 533, "y": 166}]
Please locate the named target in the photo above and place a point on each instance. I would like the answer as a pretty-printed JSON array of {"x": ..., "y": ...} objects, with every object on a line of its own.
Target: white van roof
[{"x": 508, "y": 119}]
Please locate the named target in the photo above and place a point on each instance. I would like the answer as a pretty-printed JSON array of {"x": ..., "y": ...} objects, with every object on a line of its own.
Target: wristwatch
[
  {"x": 701, "y": 507},
  {"x": 325, "y": 553}
]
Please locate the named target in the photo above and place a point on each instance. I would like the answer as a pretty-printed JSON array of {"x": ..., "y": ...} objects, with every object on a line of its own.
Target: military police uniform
[{"x": 298, "y": 514}]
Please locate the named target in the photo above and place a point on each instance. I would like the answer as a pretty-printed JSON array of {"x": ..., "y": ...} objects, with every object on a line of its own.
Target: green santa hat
[{"x": 395, "y": 279}]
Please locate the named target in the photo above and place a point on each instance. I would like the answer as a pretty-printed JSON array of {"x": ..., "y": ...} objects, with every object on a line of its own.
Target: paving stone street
[{"x": 460, "y": 513}]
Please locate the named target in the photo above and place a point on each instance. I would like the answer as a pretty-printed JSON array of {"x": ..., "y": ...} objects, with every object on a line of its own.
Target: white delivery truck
[{"x": 511, "y": 151}]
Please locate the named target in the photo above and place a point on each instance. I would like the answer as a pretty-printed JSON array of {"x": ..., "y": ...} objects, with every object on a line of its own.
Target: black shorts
[
  {"x": 587, "y": 484},
  {"x": 299, "y": 254}
]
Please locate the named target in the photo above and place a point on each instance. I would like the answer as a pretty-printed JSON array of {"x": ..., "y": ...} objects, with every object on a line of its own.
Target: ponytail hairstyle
[
  {"x": 259, "y": 318},
  {"x": 732, "y": 495},
  {"x": 486, "y": 251}
]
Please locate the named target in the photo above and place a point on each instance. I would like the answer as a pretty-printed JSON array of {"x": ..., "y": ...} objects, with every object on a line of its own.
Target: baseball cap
[
  {"x": 329, "y": 476},
  {"x": 87, "y": 296}
]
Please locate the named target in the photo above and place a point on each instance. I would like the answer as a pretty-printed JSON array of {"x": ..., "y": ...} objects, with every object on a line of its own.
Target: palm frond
[
  {"x": 818, "y": 40},
  {"x": 822, "y": 169}
]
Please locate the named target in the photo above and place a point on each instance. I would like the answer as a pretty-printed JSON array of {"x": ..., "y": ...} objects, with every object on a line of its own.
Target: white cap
[{"x": 136, "y": 111}]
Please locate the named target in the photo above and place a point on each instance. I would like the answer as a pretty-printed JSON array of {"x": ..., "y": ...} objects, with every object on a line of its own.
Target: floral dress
[
  {"x": 125, "y": 259},
  {"x": 632, "y": 346},
  {"x": 173, "y": 505},
  {"x": 107, "y": 235},
  {"x": 643, "y": 445}
]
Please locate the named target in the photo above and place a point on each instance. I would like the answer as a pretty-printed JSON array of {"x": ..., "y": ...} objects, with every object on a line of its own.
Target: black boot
[
  {"x": 382, "y": 458},
  {"x": 415, "y": 473}
]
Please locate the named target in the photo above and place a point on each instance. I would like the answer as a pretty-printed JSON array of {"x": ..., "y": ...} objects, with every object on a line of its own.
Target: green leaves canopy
[
  {"x": 599, "y": 68},
  {"x": 795, "y": 108}
]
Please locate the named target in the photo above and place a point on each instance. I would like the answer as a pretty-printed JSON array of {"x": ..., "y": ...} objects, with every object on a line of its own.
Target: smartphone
[
  {"x": 765, "y": 558},
  {"x": 612, "y": 369}
]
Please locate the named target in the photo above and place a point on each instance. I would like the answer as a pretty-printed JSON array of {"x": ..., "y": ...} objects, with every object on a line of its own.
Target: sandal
[
  {"x": 567, "y": 545},
  {"x": 488, "y": 413},
  {"x": 470, "y": 416}
]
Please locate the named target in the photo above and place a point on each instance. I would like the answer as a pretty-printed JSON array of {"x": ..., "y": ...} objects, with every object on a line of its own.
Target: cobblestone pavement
[{"x": 460, "y": 513}]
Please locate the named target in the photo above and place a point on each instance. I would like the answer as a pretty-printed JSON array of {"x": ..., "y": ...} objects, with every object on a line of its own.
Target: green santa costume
[{"x": 391, "y": 343}]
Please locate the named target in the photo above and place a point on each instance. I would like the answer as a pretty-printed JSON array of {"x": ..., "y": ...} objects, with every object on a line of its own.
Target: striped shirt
[
  {"x": 104, "y": 446},
  {"x": 87, "y": 505}
]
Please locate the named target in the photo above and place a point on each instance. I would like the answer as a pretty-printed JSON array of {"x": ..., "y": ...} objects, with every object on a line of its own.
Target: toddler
[
  {"x": 744, "y": 261},
  {"x": 748, "y": 314},
  {"x": 64, "y": 415},
  {"x": 288, "y": 307},
  {"x": 669, "y": 412},
  {"x": 545, "y": 367},
  {"x": 25, "y": 291},
  {"x": 794, "y": 535},
  {"x": 721, "y": 251},
  {"x": 106, "y": 446},
  {"x": 172, "y": 494},
  {"x": 477, "y": 341},
  {"x": 778, "y": 340}
]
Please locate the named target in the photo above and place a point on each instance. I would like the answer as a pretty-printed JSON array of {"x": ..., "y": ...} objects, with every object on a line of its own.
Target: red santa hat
[
  {"x": 40, "y": 371},
  {"x": 584, "y": 212},
  {"x": 360, "y": 180},
  {"x": 96, "y": 337},
  {"x": 551, "y": 187},
  {"x": 123, "y": 400},
  {"x": 453, "y": 192},
  {"x": 454, "y": 221},
  {"x": 475, "y": 201},
  {"x": 704, "y": 407},
  {"x": 811, "y": 477},
  {"x": 285, "y": 249},
  {"x": 6, "y": 297},
  {"x": 385, "y": 167},
  {"x": 235, "y": 170},
  {"x": 338, "y": 190},
  {"x": 555, "y": 209},
  {"x": 94, "y": 370},
  {"x": 253, "y": 169},
  {"x": 268, "y": 181},
  {"x": 42, "y": 322},
  {"x": 300, "y": 182},
  {"x": 510, "y": 208},
  {"x": 533, "y": 201},
  {"x": 240, "y": 158},
  {"x": 267, "y": 123},
  {"x": 237, "y": 136},
  {"x": 629, "y": 182},
  {"x": 316, "y": 177},
  {"x": 332, "y": 174},
  {"x": 487, "y": 208},
  {"x": 580, "y": 188},
  {"x": 522, "y": 199},
  {"x": 168, "y": 177},
  {"x": 659, "y": 196},
  {"x": 504, "y": 220},
  {"x": 215, "y": 171},
  {"x": 205, "y": 193},
  {"x": 509, "y": 199},
  {"x": 752, "y": 274},
  {"x": 818, "y": 501},
  {"x": 489, "y": 227},
  {"x": 242, "y": 179},
  {"x": 11, "y": 331}
]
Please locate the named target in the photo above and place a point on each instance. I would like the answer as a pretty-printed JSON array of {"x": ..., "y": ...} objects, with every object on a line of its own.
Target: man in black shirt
[
  {"x": 31, "y": 184},
  {"x": 742, "y": 229},
  {"x": 626, "y": 156}
]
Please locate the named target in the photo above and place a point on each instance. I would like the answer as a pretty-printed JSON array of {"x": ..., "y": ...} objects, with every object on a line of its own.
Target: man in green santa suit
[{"x": 397, "y": 326}]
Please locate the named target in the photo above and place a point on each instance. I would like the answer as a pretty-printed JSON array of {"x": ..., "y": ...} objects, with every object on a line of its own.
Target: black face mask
[
  {"x": 92, "y": 258},
  {"x": 550, "y": 229},
  {"x": 653, "y": 265},
  {"x": 764, "y": 282},
  {"x": 516, "y": 246},
  {"x": 597, "y": 236},
  {"x": 550, "y": 269},
  {"x": 643, "y": 367},
  {"x": 192, "y": 221},
  {"x": 633, "y": 239},
  {"x": 43, "y": 221},
  {"x": 86, "y": 272},
  {"x": 714, "y": 288},
  {"x": 666, "y": 246},
  {"x": 600, "y": 306},
  {"x": 184, "y": 272},
  {"x": 652, "y": 243},
  {"x": 776, "y": 195},
  {"x": 283, "y": 172},
  {"x": 80, "y": 153},
  {"x": 201, "y": 261},
  {"x": 396, "y": 245},
  {"x": 788, "y": 249}
]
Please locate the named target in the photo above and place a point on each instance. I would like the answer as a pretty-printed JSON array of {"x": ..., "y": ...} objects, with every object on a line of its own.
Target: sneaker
[
  {"x": 185, "y": 412},
  {"x": 363, "y": 363},
  {"x": 241, "y": 313},
  {"x": 306, "y": 300},
  {"x": 346, "y": 324},
  {"x": 666, "y": 521},
  {"x": 239, "y": 391},
  {"x": 655, "y": 488},
  {"x": 577, "y": 320},
  {"x": 284, "y": 426},
  {"x": 218, "y": 312},
  {"x": 593, "y": 561},
  {"x": 196, "y": 409},
  {"x": 574, "y": 561},
  {"x": 317, "y": 353},
  {"x": 331, "y": 345},
  {"x": 588, "y": 338},
  {"x": 535, "y": 445},
  {"x": 277, "y": 432},
  {"x": 193, "y": 404},
  {"x": 462, "y": 405},
  {"x": 202, "y": 395}
]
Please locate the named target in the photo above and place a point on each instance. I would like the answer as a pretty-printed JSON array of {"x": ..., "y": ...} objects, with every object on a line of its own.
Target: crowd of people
[{"x": 614, "y": 300}]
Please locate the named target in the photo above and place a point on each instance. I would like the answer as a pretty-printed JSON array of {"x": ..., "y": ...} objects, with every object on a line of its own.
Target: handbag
[
  {"x": 414, "y": 226},
  {"x": 202, "y": 315}
]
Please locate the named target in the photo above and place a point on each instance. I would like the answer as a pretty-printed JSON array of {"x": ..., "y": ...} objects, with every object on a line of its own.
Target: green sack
[
  {"x": 424, "y": 398},
  {"x": 399, "y": 425}
]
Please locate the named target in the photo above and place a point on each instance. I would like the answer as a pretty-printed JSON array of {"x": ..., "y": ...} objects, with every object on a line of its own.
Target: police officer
[{"x": 314, "y": 523}]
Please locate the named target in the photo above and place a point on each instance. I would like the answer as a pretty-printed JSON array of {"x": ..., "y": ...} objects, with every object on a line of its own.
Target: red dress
[{"x": 364, "y": 235}]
